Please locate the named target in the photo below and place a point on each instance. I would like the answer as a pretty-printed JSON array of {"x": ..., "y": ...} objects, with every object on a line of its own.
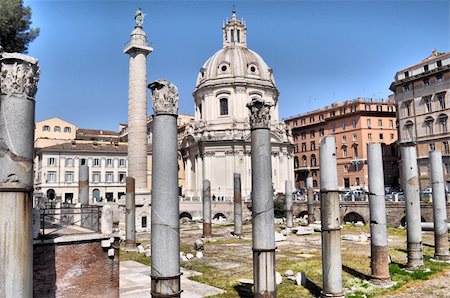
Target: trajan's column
[{"x": 138, "y": 49}]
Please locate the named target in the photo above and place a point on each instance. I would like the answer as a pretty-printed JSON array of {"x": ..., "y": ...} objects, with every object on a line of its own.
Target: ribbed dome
[{"x": 235, "y": 62}]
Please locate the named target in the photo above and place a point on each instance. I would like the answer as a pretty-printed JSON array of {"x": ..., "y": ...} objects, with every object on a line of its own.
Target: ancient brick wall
[{"x": 75, "y": 269}]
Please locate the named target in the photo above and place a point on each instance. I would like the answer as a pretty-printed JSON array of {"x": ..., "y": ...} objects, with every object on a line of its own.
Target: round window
[
  {"x": 224, "y": 68},
  {"x": 252, "y": 69}
]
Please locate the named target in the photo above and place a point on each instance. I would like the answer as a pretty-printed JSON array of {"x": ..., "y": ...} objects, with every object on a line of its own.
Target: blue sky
[{"x": 320, "y": 51}]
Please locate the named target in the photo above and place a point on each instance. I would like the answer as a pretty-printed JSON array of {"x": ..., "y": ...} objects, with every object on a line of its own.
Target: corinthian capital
[
  {"x": 19, "y": 75},
  {"x": 259, "y": 113},
  {"x": 164, "y": 97}
]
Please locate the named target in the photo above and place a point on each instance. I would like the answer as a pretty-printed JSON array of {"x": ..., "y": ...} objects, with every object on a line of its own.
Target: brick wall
[{"x": 75, "y": 269}]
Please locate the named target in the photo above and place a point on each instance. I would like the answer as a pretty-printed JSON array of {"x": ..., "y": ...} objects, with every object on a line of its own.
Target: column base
[
  {"x": 415, "y": 256},
  {"x": 381, "y": 282},
  {"x": 130, "y": 245},
  {"x": 335, "y": 295},
  {"x": 166, "y": 286},
  {"x": 441, "y": 258}
]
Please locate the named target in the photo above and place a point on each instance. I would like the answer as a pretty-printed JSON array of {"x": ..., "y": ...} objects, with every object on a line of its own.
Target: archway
[
  {"x": 51, "y": 194},
  {"x": 185, "y": 215},
  {"x": 353, "y": 217},
  {"x": 219, "y": 216},
  {"x": 303, "y": 215}
]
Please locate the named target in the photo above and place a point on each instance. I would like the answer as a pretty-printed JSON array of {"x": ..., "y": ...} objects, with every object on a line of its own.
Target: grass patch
[{"x": 134, "y": 256}]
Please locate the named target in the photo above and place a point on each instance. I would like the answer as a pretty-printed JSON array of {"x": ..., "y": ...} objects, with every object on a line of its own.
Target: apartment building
[
  {"x": 421, "y": 94},
  {"x": 57, "y": 170},
  {"x": 354, "y": 123}
]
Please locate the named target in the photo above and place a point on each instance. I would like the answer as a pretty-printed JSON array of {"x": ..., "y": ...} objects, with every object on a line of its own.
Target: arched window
[
  {"x": 429, "y": 125},
  {"x": 304, "y": 161},
  {"x": 57, "y": 129},
  {"x": 314, "y": 183},
  {"x": 409, "y": 126},
  {"x": 344, "y": 151},
  {"x": 442, "y": 119},
  {"x": 313, "y": 160},
  {"x": 296, "y": 162},
  {"x": 46, "y": 128},
  {"x": 96, "y": 195},
  {"x": 223, "y": 106},
  {"x": 355, "y": 151},
  {"x": 67, "y": 129}
]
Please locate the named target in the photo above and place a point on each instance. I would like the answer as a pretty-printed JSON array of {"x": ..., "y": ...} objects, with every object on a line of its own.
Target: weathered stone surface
[
  {"x": 289, "y": 273},
  {"x": 300, "y": 278},
  {"x": 278, "y": 278},
  {"x": 279, "y": 237},
  {"x": 80, "y": 269},
  {"x": 140, "y": 249},
  {"x": 199, "y": 255}
]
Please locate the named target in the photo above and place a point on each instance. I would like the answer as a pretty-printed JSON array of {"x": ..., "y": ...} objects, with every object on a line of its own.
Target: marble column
[
  {"x": 329, "y": 216},
  {"x": 379, "y": 258},
  {"x": 19, "y": 75},
  {"x": 263, "y": 228},
  {"x": 165, "y": 236},
  {"x": 83, "y": 184},
  {"x": 441, "y": 252},
  {"x": 412, "y": 206},
  {"x": 138, "y": 49}
]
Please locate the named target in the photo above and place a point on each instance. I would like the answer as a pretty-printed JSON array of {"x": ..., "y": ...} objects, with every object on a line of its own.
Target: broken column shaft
[
  {"x": 18, "y": 78},
  {"x": 310, "y": 200},
  {"x": 412, "y": 201},
  {"x": 130, "y": 215},
  {"x": 237, "y": 205},
  {"x": 441, "y": 252},
  {"x": 289, "y": 215},
  {"x": 83, "y": 185},
  {"x": 263, "y": 229},
  {"x": 165, "y": 222},
  {"x": 378, "y": 234},
  {"x": 331, "y": 225},
  {"x": 206, "y": 204}
]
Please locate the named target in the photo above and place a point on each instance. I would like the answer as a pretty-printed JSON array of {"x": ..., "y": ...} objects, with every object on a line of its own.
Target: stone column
[
  {"x": 106, "y": 221},
  {"x": 138, "y": 49},
  {"x": 206, "y": 203},
  {"x": 331, "y": 225},
  {"x": 412, "y": 201},
  {"x": 289, "y": 215},
  {"x": 378, "y": 233},
  {"x": 441, "y": 252},
  {"x": 19, "y": 75},
  {"x": 165, "y": 239},
  {"x": 130, "y": 215},
  {"x": 83, "y": 185},
  {"x": 237, "y": 205},
  {"x": 263, "y": 229},
  {"x": 310, "y": 200}
]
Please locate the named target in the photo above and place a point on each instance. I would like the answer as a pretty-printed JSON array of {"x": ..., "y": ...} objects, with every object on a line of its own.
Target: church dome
[{"x": 235, "y": 61}]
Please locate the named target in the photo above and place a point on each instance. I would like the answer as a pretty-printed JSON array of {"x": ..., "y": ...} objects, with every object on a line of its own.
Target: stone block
[
  {"x": 278, "y": 278},
  {"x": 300, "y": 279}
]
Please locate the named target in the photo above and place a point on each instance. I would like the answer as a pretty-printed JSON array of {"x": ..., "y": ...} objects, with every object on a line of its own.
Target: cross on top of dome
[{"x": 234, "y": 32}]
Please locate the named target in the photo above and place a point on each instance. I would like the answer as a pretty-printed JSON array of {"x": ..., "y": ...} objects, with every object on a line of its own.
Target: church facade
[{"x": 218, "y": 143}]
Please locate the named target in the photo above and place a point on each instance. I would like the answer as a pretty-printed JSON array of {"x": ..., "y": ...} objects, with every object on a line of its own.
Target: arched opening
[
  {"x": 313, "y": 160},
  {"x": 51, "y": 194},
  {"x": 220, "y": 216},
  {"x": 296, "y": 162},
  {"x": 96, "y": 195},
  {"x": 303, "y": 215},
  {"x": 185, "y": 215},
  {"x": 353, "y": 217}
]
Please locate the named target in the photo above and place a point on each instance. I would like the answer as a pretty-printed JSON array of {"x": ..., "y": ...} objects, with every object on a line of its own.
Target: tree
[{"x": 15, "y": 22}]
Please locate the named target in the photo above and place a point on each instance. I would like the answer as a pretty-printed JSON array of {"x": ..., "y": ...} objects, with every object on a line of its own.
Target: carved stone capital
[
  {"x": 164, "y": 97},
  {"x": 19, "y": 75},
  {"x": 259, "y": 114}
]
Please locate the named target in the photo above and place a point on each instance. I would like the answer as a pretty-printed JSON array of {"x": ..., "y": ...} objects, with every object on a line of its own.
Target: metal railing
[{"x": 58, "y": 219}]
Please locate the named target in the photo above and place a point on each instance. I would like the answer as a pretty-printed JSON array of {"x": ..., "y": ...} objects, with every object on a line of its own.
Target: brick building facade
[{"x": 354, "y": 124}]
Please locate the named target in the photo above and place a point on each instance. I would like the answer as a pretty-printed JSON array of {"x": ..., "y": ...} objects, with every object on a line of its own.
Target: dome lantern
[{"x": 234, "y": 32}]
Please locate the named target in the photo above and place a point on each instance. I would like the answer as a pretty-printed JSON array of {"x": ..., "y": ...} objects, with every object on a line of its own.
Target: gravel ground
[{"x": 438, "y": 287}]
